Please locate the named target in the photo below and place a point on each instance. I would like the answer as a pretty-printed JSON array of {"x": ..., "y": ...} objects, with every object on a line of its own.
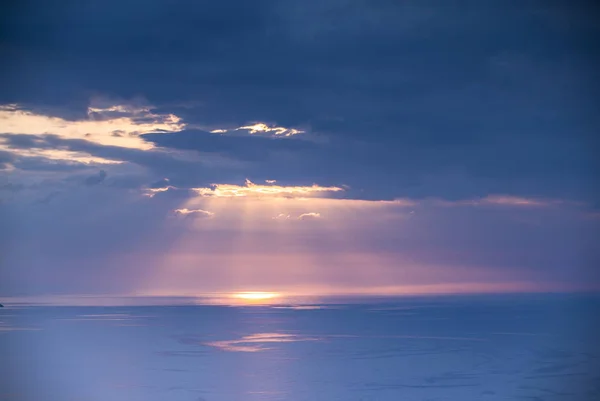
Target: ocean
[{"x": 459, "y": 348}]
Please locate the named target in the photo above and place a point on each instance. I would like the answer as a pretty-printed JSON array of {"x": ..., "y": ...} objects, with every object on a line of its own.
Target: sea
[{"x": 456, "y": 348}]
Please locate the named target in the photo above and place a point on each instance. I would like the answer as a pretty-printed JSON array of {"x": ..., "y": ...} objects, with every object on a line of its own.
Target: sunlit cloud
[
  {"x": 309, "y": 216},
  {"x": 117, "y": 108},
  {"x": 63, "y": 155},
  {"x": 262, "y": 128},
  {"x": 116, "y": 125},
  {"x": 193, "y": 212},
  {"x": 250, "y": 189},
  {"x": 282, "y": 216},
  {"x": 302, "y": 216},
  {"x": 151, "y": 192}
]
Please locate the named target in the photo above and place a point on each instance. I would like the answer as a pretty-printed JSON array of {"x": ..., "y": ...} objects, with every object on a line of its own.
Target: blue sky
[{"x": 329, "y": 146}]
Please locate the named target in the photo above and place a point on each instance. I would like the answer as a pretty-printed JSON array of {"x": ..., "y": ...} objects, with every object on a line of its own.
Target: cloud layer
[{"x": 425, "y": 145}]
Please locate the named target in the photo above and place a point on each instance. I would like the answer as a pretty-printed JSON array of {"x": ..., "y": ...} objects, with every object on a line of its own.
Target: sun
[{"x": 255, "y": 296}]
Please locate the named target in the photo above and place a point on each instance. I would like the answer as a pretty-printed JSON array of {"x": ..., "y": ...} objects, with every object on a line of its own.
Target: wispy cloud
[
  {"x": 282, "y": 216},
  {"x": 193, "y": 212},
  {"x": 309, "y": 216},
  {"x": 505, "y": 200},
  {"x": 303, "y": 216},
  {"x": 151, "y": 192}
]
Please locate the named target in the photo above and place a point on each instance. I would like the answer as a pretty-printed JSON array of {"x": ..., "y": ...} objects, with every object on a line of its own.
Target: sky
[{"x": 179, "y": 148}]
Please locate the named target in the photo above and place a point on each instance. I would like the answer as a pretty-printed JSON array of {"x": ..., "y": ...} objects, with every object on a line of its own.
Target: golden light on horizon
[{"x": 255, "y": 296}]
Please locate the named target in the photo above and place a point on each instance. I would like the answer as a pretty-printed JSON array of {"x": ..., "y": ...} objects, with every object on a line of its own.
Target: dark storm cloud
[
  {"x": 372, "y": 170},
  {"x": 281, "y": 54},
  {"x": 158, "y": 163},
  {"x": 494, "y": 97},
  {"x": 247, "y": 147},
  {"x": 401, "y": 167}
]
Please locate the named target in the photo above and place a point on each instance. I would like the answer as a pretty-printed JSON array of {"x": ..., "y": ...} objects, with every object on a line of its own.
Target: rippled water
[{"x": 454, "y": 348}]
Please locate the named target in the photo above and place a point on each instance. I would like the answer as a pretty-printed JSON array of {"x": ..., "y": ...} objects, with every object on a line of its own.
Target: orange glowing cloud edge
[
  {"x": 120, "y": 126},
  {"x": 270, "y": 189}
]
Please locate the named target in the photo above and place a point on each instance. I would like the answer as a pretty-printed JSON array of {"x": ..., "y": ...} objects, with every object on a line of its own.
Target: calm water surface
[{"x": 453, "y": 348}]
